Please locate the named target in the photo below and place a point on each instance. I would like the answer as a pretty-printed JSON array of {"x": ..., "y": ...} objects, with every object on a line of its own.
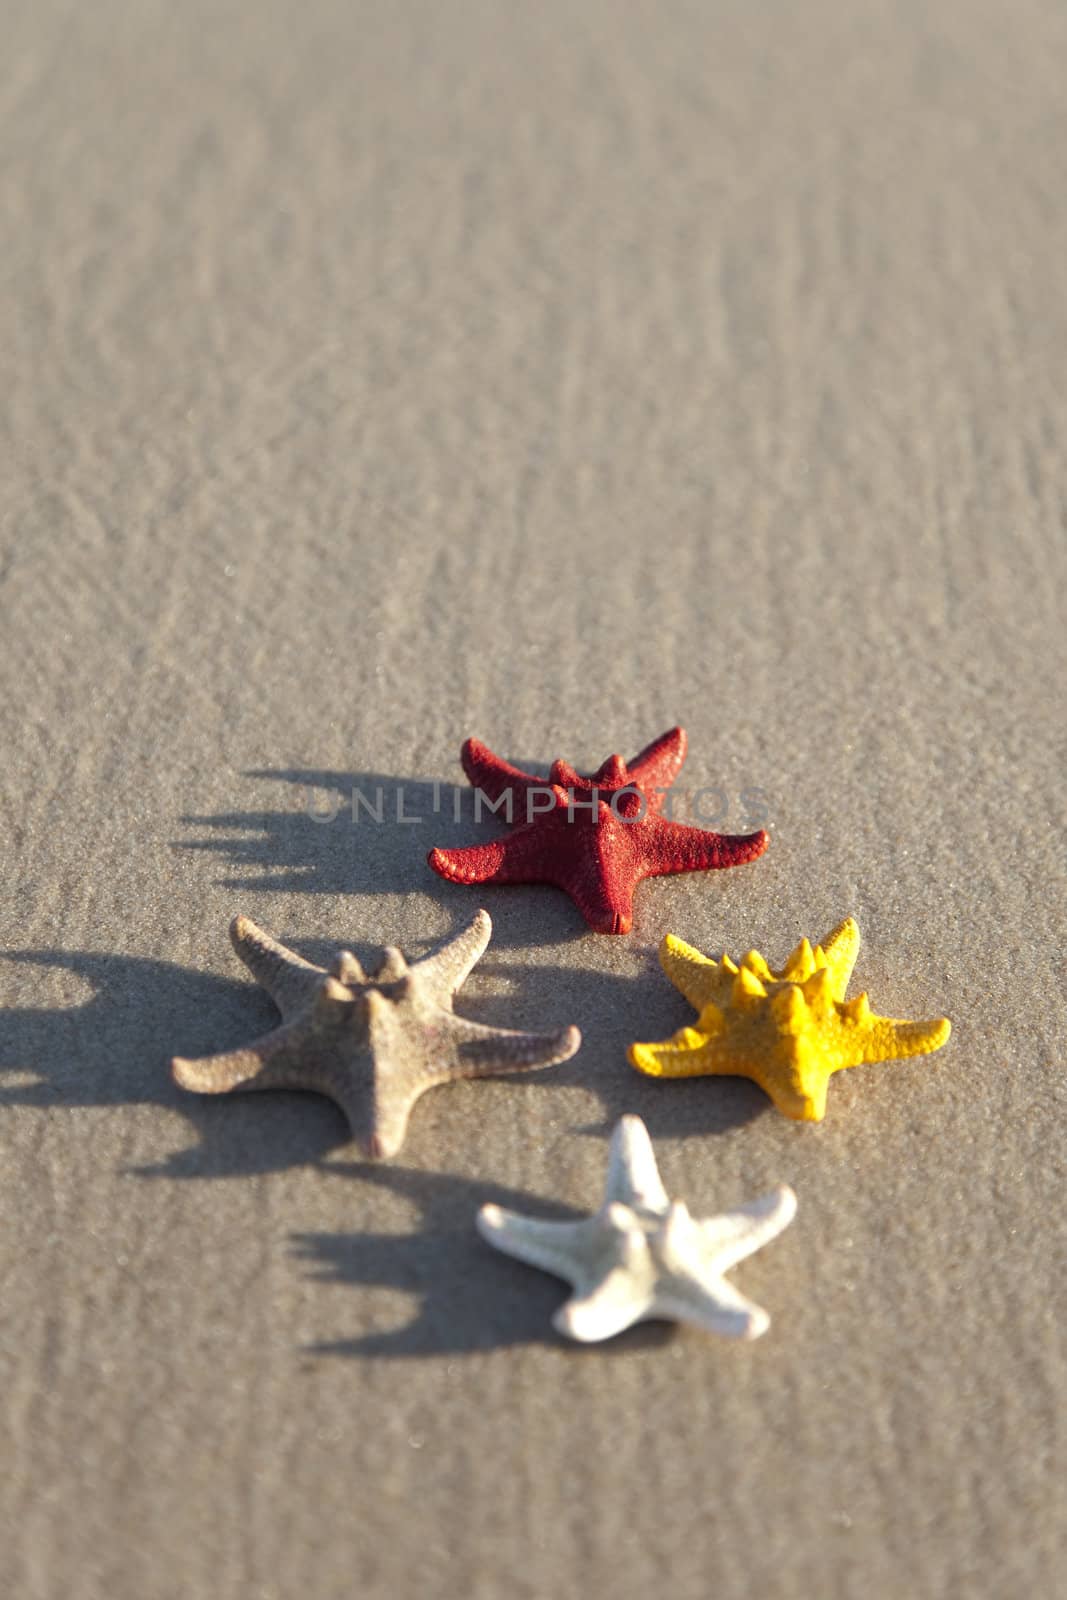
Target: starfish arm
[
  {"x": 695, "y": 1054},
  {"x": 606, "y": 901},
  {"x": 614, "y": 1304},
  {"x": 474, "y": 863},
  {"x": 840, "y": 950},
  {"x": 633, "y": 1176},
  {"x": 802, "y": 1097},
  {"x": 448, "y": 966},
  {"x": 270, "y": 1063},
  {"x": 379, "y": 1120},
  {"x": 712, "y": 1304},
  {"x": 482, "y": 1052},
  {"x": 887, "y": 1040},
  {"x": 518, "y": 857},
  {"x": 690, "y": 1054},
  {"x": 281, "y": 1060},
  {"x": 667, "y": 847},
  {"x": 556, "y": 1247},
  {"x": 495, "y": 777},
  {"x": 729, "y": 1238},
  {"x": 290, "y": 981},
  {"x": 692, "y": 973},
  {"x": 658, "y": 764}
]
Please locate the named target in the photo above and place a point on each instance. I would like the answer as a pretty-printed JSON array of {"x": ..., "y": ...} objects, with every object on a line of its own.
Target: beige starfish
[{"x": 372, "y": 1044}]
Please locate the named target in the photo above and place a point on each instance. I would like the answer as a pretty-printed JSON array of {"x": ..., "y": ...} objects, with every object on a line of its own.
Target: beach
[{"x": 378, "y": 377}]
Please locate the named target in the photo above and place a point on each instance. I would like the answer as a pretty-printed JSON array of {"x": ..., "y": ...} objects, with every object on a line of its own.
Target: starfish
[
  {"x": 642, "y": 1256},
  {"x": 596, "y": 837},
  {"x": 788, "y": 1031},
  {"x": 372, "y": 1044}
]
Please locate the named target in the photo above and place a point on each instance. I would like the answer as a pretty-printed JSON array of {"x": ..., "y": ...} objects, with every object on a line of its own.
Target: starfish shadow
[
  {"x": 612, "y": 1011},
  {"x": 327, "y": 842},
  {"x": 683, "y": 1108},
  {"x": 114, "y": 1049},
  {"x": 471, "y": 1298}
]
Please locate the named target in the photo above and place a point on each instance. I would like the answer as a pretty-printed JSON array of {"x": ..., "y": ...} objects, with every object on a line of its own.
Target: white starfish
[{"x": 642, "y": 1256}]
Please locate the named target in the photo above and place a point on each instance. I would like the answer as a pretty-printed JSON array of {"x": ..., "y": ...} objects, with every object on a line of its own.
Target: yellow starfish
[{"x": 788, "y": 1030}]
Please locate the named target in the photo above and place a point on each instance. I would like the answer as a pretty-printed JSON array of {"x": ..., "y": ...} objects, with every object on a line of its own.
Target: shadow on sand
[
  {"x": 471, "y": 1298},
  {"x": 115, "y": 1049},
  {"x": 328, "y": 843}
]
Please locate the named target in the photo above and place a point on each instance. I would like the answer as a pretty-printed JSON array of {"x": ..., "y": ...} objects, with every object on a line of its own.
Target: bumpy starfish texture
[
  {"x": 789, "y": 1031},
  {"x": 372, "y": 1044},
  {"x": 643, "y": 1256},
  {"x": 595, "y": 837}
]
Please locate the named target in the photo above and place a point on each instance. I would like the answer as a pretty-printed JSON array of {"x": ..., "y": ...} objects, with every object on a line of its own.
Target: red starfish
[{"x": 594, "y": 837}]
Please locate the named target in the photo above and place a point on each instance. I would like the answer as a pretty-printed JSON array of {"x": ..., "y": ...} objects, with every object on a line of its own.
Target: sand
[{"x": 375, "y": 376}]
